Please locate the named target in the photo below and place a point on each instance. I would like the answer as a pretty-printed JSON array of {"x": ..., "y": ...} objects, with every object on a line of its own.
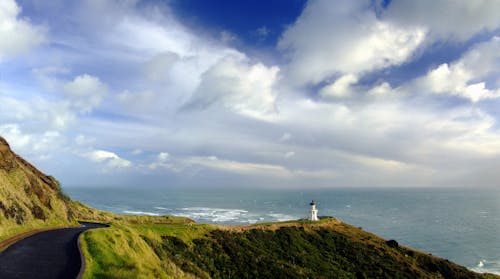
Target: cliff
[{"x": 29, "y": 199}]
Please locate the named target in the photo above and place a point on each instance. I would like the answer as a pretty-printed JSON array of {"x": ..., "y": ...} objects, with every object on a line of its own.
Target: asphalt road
[{"x": 49, "y": 254}]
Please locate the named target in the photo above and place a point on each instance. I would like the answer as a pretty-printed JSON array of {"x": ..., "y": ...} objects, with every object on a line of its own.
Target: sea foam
[
  {"x": 487, "y": 266},
  {"x": 213, "y": 215},
  {"x": 140, "y": 213}
]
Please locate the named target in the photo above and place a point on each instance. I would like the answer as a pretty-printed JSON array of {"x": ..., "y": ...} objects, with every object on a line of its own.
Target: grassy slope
[
  {"x": 28, "y": 198},
  {"x": 328, "y": 249},
  {"x": 123, "y": 250}
]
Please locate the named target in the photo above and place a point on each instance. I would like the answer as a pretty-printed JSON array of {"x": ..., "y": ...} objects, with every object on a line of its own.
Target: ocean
[{"x": 462, "y": 225}]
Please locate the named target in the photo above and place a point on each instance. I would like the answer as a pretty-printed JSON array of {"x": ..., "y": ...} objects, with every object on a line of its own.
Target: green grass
[
  {"x": 145, "y": 248},
  {"x": 118, "y": 252},
  {"x": 185, "y": 232},
  {"x": 27, "y": 203},
  {"x": 29, "y": 200},
  {"x": 125, "y": 249}
]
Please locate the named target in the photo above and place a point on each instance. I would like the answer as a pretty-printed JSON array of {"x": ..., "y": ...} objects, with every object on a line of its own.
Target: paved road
[{"x": 49, "y": 254}]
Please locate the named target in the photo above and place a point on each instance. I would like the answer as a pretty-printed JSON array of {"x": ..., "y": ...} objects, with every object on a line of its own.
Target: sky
[{"x": 275, "y": 94}]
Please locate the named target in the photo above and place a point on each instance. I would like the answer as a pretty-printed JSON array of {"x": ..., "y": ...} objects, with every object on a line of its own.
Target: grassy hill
[
  {"x": 29, "y": 199},
  {"x": 299, "y": 249}
]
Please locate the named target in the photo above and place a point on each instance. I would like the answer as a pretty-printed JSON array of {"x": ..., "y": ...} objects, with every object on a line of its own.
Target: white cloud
[
  {"x": 380, "y": 164},
  {"x": 466, "y": 77},
  {"x": 13, "y": 135},
  {"x": 136, "y": 33},
  {"x": 46, "y": 77},
  {"x": 37, "y": 114},
  {"x": 82, "y": 140},
  {"x": 35, "y": 145},
  {"x": 163, "y": 157},
  {"x": 447, "y": 18},
  {"x": 383, "y": 133},
  {"x": 110, "y": 159},
  {"x": 454, "y": 80},
  {"x": 17, "y": 35},
  {"x": 137, "y": 101},
  {"x": 85, "y": 92},
  {"x": 238, "y": 85},
  {"x": 469, "y": 132},
  {"x": 340, "y": 88},
  {"x": 344, "y": 37},
  {"x": 160, "y": 76},
  {"x": 159, "y": 67},
  {"x": 383, "y": 89},
  {"x": 193, "y": 164},
  {"x": 238, "y": 167},
  {"x": 162, "y": 162}
]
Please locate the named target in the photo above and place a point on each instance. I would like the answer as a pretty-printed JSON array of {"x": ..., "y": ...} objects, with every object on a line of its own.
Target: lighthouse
[{"x": 313, "y": 212}]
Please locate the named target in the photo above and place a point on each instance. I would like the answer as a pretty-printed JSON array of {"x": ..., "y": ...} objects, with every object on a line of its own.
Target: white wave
[
  {"x": 211, "y": 209},
  {"x": 161, "y": 208},
  {"x": 487, "y": 266},
  {"x": 229, "y": 215},
  {"x": 140, "y": 213},
  {"x": 215, "y": 215}
]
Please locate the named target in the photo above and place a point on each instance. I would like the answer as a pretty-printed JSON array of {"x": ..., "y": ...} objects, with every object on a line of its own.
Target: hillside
[
  {"x": 29, "y": 199},
  {"x": 299, "y": 249}
]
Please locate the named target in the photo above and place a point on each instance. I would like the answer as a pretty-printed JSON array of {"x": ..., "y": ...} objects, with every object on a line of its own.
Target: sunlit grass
[
  {"x": 117, "y": 252},
  {"x": 22, "y": 191},
  {"x": 159, "y": 247},
  {"x": 124, "y": 250}
]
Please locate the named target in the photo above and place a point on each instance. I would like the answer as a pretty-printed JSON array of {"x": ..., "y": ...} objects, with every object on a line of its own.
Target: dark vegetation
[{"x": 301, "y": 252}]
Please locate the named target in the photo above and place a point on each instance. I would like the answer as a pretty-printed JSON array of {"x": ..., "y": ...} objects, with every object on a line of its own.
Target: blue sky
[
  {"x": 255, "y": 23},
  {"x": 254, "y": 94}
]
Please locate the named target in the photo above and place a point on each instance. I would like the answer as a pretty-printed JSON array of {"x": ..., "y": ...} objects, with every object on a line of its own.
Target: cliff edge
[{"x": 29, "y": 199}]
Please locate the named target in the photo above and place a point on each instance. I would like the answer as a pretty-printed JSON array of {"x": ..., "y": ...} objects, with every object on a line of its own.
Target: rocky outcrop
[
  {"x": 10, "y": 160},
  {"x": 7, "y": 157},
  {"x": 28, "y": 198}
]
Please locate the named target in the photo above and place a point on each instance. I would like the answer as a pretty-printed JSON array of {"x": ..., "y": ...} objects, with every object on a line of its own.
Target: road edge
[
  {"x": 82, "y": 257},
  {"x": 83, "y": 263}
]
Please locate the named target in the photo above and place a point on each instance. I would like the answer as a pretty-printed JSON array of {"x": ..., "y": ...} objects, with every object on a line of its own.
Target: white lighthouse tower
[{"x": 313, "y": 212}]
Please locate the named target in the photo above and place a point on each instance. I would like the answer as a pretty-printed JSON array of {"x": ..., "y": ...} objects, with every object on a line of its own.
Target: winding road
[{"x": 48, "y": 254}]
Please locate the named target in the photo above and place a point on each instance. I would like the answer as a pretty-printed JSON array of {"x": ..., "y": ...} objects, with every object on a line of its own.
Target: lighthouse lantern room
[{"x": 313, "y": 212}]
